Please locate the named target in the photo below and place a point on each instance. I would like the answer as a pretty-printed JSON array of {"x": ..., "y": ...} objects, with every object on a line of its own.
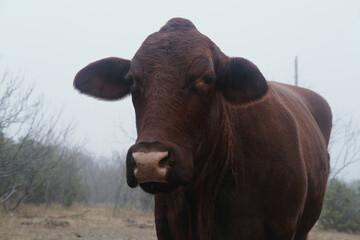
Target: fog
[{"x": 49, "y": 41}]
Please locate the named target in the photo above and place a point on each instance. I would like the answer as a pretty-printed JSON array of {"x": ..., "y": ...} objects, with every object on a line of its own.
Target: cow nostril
[{"x": 164, "y": 161}]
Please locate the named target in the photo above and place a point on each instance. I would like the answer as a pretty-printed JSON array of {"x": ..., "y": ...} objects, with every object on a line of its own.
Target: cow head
[{"x": 176, "y": 79}]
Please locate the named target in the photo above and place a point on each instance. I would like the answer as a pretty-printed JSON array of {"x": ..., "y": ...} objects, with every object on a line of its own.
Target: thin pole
[{"x": 296, "y": 71}]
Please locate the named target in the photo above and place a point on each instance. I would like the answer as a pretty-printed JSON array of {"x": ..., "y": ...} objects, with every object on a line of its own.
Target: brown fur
[{"x": 247, "y": 158}]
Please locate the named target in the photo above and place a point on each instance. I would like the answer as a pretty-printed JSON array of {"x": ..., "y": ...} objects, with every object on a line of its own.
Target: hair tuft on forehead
[{"x": 177, "y": 24}]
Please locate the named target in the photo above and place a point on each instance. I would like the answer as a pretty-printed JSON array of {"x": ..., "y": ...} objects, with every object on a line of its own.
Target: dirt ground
[
  {"x": 79, "y": 222},
  {"x": 98, "y": 222}
]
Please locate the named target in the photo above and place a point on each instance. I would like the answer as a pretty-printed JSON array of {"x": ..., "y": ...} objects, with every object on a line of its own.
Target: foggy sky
[{"x": 51, "y": 40}]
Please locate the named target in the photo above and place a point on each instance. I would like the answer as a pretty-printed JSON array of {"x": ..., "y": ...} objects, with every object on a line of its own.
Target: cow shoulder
[{"x": 301, "y": 100}]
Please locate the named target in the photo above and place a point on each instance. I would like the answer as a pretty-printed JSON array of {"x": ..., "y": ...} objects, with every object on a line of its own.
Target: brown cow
[{"x": 227, "y": 154}]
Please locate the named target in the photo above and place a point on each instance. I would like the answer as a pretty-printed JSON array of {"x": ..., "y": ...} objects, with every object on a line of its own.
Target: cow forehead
[{"x": 171, "y": 51}]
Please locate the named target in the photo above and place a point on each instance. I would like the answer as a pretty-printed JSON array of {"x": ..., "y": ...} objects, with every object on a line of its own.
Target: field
[{"x": 98, "y": 222}]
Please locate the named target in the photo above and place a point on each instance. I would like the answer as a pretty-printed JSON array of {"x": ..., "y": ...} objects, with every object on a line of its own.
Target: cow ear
[
  {"x": 240, "y": 81},
  {"x": 104, "y": 79}
]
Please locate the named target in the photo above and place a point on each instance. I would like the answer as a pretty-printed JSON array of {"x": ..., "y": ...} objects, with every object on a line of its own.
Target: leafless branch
[{"x": 344, "y": 146}]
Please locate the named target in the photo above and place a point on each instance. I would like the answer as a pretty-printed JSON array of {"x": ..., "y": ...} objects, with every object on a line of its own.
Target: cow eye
[{"x": 209, "y": 79}]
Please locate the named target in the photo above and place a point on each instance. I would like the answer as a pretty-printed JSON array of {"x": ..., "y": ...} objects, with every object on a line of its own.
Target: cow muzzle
[
  {"x": 157, "y": 167},
  {"x": 150, "y": 166},
  {"x": 148, "y": 162}
]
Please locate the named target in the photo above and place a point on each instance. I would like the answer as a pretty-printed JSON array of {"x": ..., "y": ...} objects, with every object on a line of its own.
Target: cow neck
[{"x": 215, "y": 160}]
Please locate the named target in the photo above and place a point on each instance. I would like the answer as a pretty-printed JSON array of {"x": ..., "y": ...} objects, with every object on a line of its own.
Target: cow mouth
[{"x": 157, "y": 187}]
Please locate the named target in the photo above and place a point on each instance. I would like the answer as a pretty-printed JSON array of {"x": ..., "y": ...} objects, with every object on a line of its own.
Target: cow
[{"x": 226, "y": 153}]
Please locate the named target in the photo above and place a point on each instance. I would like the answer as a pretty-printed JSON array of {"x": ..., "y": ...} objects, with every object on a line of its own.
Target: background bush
[{"x": 341, "y": 209}]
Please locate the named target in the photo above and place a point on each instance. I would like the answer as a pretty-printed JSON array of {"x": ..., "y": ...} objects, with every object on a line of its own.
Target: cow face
[{"x": 177, "y": 80}]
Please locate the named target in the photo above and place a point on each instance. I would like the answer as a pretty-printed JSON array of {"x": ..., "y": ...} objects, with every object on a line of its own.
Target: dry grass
[
  {"x": 78, "y": 222},
  {"x": 94, "y": 223}
]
